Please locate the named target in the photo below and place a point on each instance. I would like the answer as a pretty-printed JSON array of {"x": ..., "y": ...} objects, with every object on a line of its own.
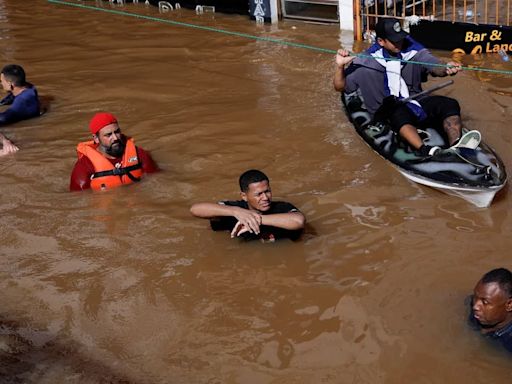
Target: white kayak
[{"x": 475, "y": 175}]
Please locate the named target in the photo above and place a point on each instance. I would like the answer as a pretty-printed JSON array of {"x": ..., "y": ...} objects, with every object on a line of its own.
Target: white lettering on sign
[{"x": 259, "y": 10}]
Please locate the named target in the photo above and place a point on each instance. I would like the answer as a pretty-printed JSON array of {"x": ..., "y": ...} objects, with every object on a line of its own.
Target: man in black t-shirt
[{"x": 256, "y": 216}]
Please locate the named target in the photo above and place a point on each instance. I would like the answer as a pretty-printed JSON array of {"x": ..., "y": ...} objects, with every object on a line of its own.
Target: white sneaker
[
  {"x": 469, "y": 140},
  {"x": 434, "y": 150}
]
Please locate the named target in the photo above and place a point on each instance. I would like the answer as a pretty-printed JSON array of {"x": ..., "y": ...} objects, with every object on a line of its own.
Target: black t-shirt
[{"x": 267, "y": 233}]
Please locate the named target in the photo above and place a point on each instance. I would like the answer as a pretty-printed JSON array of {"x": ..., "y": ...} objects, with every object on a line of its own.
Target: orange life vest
[{"x": 106, "y": 175}]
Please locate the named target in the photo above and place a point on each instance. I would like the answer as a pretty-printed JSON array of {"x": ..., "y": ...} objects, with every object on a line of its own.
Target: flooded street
[{"x": 127, "y": 287}]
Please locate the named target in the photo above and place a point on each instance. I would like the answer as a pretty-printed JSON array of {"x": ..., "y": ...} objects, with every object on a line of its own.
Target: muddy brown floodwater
[{"x": 127, "y": 287}]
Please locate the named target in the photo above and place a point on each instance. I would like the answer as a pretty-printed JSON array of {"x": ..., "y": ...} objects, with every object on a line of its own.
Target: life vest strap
[{"x": 119, "y": 172}]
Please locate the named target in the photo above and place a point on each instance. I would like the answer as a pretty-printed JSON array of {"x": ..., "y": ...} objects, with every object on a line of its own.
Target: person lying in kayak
[
  {"x": 256, "y": 216},
  {"x": 110, "y": 159},
  {"x": 21, "y": 97},
  {"x": 377, "y": 79}
]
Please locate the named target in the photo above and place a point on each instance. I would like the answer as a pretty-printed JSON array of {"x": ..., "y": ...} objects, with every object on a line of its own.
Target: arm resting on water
[
  {"x": 250, "y": 219},
  {"x": 291, "y": 220}
]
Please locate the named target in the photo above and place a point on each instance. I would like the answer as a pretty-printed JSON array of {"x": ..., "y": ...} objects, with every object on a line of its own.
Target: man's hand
[
  {"x": 251, "y": 220},
  {"x": 8, "y": 146},
  {"x": 343, "y": 58},
  {"x": 453, "y": 68},
  {"x": 238, "y": 229}
]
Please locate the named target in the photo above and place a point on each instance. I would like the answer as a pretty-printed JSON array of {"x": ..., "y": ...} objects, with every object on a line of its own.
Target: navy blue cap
[{"x": 390, "y": 29}]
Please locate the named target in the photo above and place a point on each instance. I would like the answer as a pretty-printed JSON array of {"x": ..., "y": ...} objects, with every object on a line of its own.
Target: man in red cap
[{"x": 110, "y": 159}]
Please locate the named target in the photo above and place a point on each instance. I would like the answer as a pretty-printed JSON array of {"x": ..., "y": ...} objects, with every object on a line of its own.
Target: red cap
[{"x": 100, "y": 120}]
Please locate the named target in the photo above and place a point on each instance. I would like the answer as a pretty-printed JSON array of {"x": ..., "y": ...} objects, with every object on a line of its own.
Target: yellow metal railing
[{"x": 494, "y": 12}]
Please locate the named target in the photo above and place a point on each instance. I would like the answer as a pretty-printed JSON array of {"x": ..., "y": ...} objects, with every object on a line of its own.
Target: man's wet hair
[
  {"x": 500, "y": 276},
  {"x": 249, "y": 177},
  {"x": 15, "y": 74}
]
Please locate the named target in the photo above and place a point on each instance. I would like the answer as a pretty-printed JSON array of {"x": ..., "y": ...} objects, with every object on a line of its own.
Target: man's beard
[{"x": 116, "y": 149}]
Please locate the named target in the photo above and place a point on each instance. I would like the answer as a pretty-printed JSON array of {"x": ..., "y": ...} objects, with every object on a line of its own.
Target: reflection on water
[{"x": 127, "y": 287}]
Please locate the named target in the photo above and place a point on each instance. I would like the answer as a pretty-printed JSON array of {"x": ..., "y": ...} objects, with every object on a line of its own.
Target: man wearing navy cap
[{"x": 377, "y": 78}]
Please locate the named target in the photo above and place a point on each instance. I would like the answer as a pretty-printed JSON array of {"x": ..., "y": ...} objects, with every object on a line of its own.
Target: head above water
[
  {"x": 107, "y": 134},
  {"x": 101, "y": 120},
  {"x": 255, "y": 190},
  {"x": 390, "y": 29},
  {"x": 13, "y": 75},
  {"x": 500, "y": 276},
  {"x": 249, "y": 177},
  {"x": 492, "y": 299}
]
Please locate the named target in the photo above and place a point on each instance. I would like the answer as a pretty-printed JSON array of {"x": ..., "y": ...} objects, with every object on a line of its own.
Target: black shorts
[{"x": 437, "y": 109}]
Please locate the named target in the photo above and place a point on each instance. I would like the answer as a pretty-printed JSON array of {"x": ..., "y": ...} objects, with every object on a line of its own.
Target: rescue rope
[{"x": 259, "y": 38}]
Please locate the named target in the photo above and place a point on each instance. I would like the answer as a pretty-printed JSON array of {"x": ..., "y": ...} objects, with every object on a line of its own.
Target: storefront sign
[
  {"x": 260, "y": 10},
  {"x": 463, "y": 37}
]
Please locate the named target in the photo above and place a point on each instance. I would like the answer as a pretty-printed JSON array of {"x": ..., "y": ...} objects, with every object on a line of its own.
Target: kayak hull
[{"x": 475, "y": 175}]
